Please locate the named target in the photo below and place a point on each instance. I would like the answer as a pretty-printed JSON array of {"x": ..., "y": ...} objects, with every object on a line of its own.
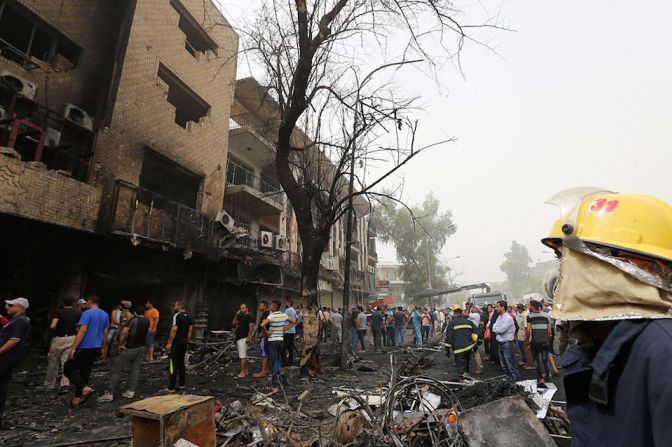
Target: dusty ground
[{"x": 44, "y": 419}]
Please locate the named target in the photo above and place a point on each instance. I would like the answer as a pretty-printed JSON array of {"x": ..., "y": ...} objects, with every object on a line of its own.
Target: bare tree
[{"x": 334, "y": 69}]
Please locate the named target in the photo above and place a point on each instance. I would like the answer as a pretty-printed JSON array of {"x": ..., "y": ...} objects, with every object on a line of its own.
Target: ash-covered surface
[
  {"x": 43, "y": 418},
  {"x": 488, "y": 391}
]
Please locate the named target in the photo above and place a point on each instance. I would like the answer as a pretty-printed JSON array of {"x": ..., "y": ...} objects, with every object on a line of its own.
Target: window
[
  {"x": 167, "y": 179},
  {"x": 188, "y": 105},
  {"x": 23, "y": 35},
  {"x": 197, "y": 39}
]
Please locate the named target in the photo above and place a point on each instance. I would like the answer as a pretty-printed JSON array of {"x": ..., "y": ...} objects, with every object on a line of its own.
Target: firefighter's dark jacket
[
  {"x": 458, "y": 335},
  {"x": 621, "y": 395}
]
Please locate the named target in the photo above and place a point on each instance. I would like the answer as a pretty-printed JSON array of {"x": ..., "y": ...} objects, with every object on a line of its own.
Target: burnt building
[
  {"x": 264, "y": 261},
  {"x": 114, "y": 123}
]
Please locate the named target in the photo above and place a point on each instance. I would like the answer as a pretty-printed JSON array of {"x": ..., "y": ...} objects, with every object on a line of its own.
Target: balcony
[
  {"x": 259, "y": 196},
  {"x": 29, "y": 190},
  {"x": 251, "y": 137},
  {"x": 146, "y": 216},
  {"x": 44, "y": 164}
]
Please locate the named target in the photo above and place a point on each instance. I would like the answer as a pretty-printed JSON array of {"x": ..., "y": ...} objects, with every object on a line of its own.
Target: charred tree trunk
[{"x": 310, "y": 356}]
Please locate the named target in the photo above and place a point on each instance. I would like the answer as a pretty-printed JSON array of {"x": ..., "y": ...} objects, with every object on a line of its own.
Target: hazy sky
[{"x": 579, "y": 95}]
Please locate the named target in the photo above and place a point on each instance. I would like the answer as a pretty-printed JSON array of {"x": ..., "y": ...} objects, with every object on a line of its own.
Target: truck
[
  {"x": 483, "y": 299},
  {"x": 479, "y": 299}
]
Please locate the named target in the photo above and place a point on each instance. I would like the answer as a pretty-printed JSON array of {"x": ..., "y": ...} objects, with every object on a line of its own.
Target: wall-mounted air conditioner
[
  {"x": 266, "y": 239},
  {"x": 16, "y": 83},
  {"x": 280, "y": 243},
  {"x": 4, "y": 115},
  {"x": 78, "y": 116},
  {"x": 53, "y": 138},
  {"x": 331, "y": 264},
  {"x": 225, "y": 220}
]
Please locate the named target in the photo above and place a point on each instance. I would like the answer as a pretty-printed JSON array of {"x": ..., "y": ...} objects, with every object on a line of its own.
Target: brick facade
[
  {"x": 143, "y": 118},
  {"x": 116, "y": 81},
  {"x": 91, "y": 24},
  {"x": 28, "y": 190}
]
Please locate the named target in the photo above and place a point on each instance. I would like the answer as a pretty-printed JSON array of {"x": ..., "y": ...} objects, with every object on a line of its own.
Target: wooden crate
[{"x": 163, "y": 420}]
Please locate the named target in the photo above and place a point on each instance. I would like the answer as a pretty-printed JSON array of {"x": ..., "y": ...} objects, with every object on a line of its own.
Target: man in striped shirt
[
  {"x": 276, "y": 325},
  {"x": 539, "y": 334}
]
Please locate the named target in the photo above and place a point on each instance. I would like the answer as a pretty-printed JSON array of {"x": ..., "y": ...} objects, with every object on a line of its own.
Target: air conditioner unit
[
  {"x": 280, "y": 243},
  {"x": 18, "y": 84},
  {"x": 331, "y": 264},
  {"x": 226, "y": 220},
  {"x": 370, "y": 269},
  {"x": 4, "y": 115},
  {"x": 53, "y": 137},
  {"x": 266, "y": 239},
  {"x": 78, "y": 116}
]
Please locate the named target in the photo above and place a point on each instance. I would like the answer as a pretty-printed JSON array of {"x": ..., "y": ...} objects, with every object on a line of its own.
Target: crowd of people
[
  {"x": 83, "y": 334},
  {"x": 512, "y": 336}
]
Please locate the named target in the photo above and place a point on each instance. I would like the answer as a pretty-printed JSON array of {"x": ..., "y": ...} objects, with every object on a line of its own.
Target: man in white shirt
[
  {"x": 520, "y": 338},
  {"x": 277, "y": 324},
  {"x": 337, "y": 324},
  {"x": 505, "y": 331}
]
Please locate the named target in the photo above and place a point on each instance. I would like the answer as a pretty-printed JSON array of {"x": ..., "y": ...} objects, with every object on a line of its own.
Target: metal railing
[
  {"x": 239, "y": 175},
  {"x": 146, "y": 215},
  {"x": 240, "y": 120}
]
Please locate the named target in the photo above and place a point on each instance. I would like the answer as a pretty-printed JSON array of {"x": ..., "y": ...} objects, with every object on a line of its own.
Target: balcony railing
[
  {"x": 238, "y": 121},
  {"x": 264, "y": 130},
  {"x": 146, "y": 215},
  {"x": 239, "y": 175}
]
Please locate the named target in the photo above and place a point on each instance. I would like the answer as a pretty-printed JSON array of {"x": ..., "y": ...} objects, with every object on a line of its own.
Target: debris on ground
[
  {"x": 411, "y": 398},
  {"x": 505, "y": 421}
]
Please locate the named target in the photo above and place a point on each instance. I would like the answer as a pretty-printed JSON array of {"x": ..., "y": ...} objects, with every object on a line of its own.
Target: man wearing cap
[{"x": 12, "y": 345}]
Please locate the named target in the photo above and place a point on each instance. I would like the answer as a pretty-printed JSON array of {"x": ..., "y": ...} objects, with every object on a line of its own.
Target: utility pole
[
  {"x": 429, "y": 269},
  {"x": 347, "y": 323}
]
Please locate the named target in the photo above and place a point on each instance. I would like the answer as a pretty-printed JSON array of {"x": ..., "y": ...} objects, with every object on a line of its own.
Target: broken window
[
  {"x": 23, "y": 35},
  {"x": 188, "y": 105},
  {"x": 197, "y": 39},
  {"x": 161, "y": 176}
]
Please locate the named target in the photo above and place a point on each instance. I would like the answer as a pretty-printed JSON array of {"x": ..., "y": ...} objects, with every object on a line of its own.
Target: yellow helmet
[
  {"x": 554, "y": 239},
  {"x": 632, "y": 222},
  {"x": 456, "y": 307}
]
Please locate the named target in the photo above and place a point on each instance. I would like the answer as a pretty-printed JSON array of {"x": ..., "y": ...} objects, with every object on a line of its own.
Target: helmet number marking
[{"x": 604, "y": 205}]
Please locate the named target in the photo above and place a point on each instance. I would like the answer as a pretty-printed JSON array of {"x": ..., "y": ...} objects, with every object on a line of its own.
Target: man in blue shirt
[
  {"x": 290, "y": 334},
  {"x": 12, "y": 345},
  {"x": 416, "y": 317},
  {"x": 88, "y": 345},
  {"x": 377, "y": 329}
]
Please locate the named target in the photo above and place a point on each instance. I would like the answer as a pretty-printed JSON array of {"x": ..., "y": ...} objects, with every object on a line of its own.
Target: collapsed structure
[{"x": 134, "y": 165}]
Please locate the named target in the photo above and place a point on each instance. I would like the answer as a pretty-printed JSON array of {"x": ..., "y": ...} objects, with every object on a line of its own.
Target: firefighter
[
  {"x": 614, "y": 290},
  {"x": 461, "y": 337}
]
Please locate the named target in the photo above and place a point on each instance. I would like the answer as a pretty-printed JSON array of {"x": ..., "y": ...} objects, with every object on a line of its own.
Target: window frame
[{"x": 39, "y": 24}]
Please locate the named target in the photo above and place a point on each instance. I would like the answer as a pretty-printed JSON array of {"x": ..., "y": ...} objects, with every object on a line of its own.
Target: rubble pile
[
  {"x": 379, "y": 401},
  {"x": 482, "y": 392}
]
